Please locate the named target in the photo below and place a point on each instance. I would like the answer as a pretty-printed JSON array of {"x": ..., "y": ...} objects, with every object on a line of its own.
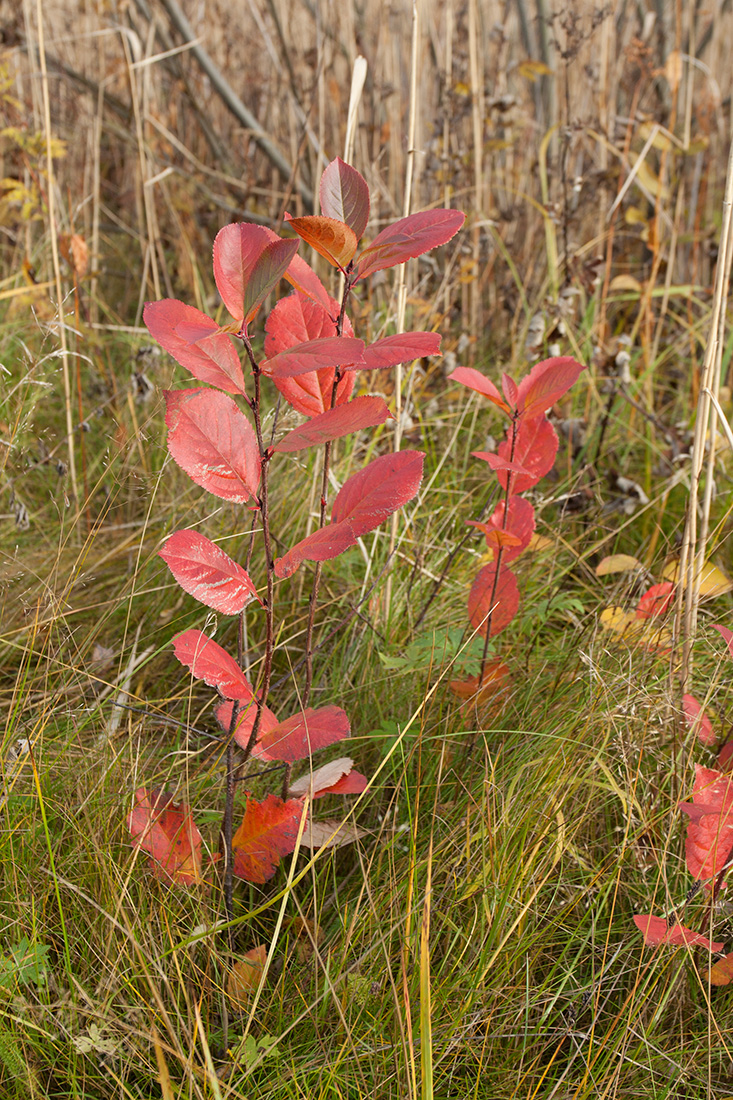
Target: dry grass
[{"x": 589, "y": 153}]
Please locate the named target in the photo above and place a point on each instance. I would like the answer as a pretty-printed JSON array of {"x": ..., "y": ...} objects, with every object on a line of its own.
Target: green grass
[{"x": 540, "y": 830}]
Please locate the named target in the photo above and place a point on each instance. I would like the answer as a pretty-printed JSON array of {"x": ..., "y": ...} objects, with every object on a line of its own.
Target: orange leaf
[
  {"x": 267, "y": 833},
  {"x": 722, "y": 971},
  {"x": 333, "y": 239},
  {"x": 245, "y": 975}
]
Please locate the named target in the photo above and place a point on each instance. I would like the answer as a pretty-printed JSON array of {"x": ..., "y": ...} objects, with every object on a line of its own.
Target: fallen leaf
[
  {"x": 617, "y": 563},
  {"x": 245, "y": 975},
  {"x": 713, "y": 581}
]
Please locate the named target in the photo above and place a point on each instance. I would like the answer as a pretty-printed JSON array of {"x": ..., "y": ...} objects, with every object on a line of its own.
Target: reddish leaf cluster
[
  {"x": 709, "y": 844},
  {"x": 524, "y": 456},
  {"x": 311, "y": 356}
]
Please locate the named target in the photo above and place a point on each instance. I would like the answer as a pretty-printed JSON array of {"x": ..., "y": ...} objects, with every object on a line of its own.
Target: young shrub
[{"x": 215, "y": 435}]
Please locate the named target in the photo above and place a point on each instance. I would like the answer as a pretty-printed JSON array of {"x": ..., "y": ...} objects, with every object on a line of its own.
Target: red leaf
[
  {"x": 195, "y": 341},
  {"x": 408, "y": 237},
  {"x": 294, "y": 320},
  {"x": 478, "y": 382},
  {"x": 520, "y": 526},
  {"x": 489, "y": 688},
  {"x": 344, "y": 196},
  {"x": 212, "y": 664},
  {"x": 268, "y": 832},
  {"x": 362, "y": 412},
  {"x": 509, "y": 389},
  {"x": 329, "y": 351},
  {"x": 269, "y": 269},
  {"x": 326, "y": 543},
  {"x": 657, "y": 600},
  {"x": 698, "y": 720},
  {"x": 302, "y": 276},
  {"x": 379, "y": 489},
  {"x": 535, "y": 450},
  {"x": 204, "y": 571},
  {"x": 656, "y": 930},
  {"x": 402, "y": 348},
  {"x": 249, "y": 261},
  {"x": 245, "y": 722},
  {"x": 363, "y": 502},
  {"x": 710, "y": 829},
  {"x": 213, "y": 442},
  {"x": 300, "y": 736},
  {"x": 545, "y": 384},
  {"x": 169, "y": 834},
  {"x": 497, "y": 463},
  {"x": 335, "y": 777},
  {"x": 726, "y": 635},
  {"x": 501, "y": 602},
  {"x": 334, "y": 240},
  {"x": 725, "y": 755}
]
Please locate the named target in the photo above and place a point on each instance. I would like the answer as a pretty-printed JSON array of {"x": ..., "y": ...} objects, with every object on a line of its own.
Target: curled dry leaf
[
  {"x": 330, "y": 834},
  {"x": 245, "y": 975},
  {"x": 336, "y": 777},
  {"x": 721, "y": 973}
]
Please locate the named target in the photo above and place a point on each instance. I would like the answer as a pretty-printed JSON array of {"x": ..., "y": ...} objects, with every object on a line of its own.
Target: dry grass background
[{"x": 588, "y": 148}]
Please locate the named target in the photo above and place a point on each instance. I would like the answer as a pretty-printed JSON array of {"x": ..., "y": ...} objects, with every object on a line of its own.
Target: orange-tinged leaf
[
  {"x": 245, "y": 975},
  {"x": 721, "y": 972},
  {"x": 475, "y": 380},
  {"x": 515, "y": 534},
  {"x": 267, "y": 833},
  {"x": 168, "y": 833},
  {"x": 545, "y": 384},
  {"x": 656, "y": 601},
  {"x": 245, "y": 722},
  {"x": 333, "y": 239}
]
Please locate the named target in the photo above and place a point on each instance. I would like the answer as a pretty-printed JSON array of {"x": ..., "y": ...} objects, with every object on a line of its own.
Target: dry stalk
[
  {"x": 695, "y": 536},
  {"x": 55, "y": 253},
  {"x": 402, "y": 269}
]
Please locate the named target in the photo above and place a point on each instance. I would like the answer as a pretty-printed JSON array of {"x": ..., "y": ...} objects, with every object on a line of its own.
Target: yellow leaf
[
  {"x": 530, "y": 69},
  {"x": 633, "y": 215},
  {"x": 643, "y": 632},
  {"x": 625, "y": 282},
  {"x": 651, "y": 182},
  {"x": 617, "y": 563},
  {"x": 538, "y": 543},
  {"x": 245, "y": 975},
  {"x": 713, "y": 581},
  {"x": 673, "y": 70},
  {"x": 662, "y": 139}
]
